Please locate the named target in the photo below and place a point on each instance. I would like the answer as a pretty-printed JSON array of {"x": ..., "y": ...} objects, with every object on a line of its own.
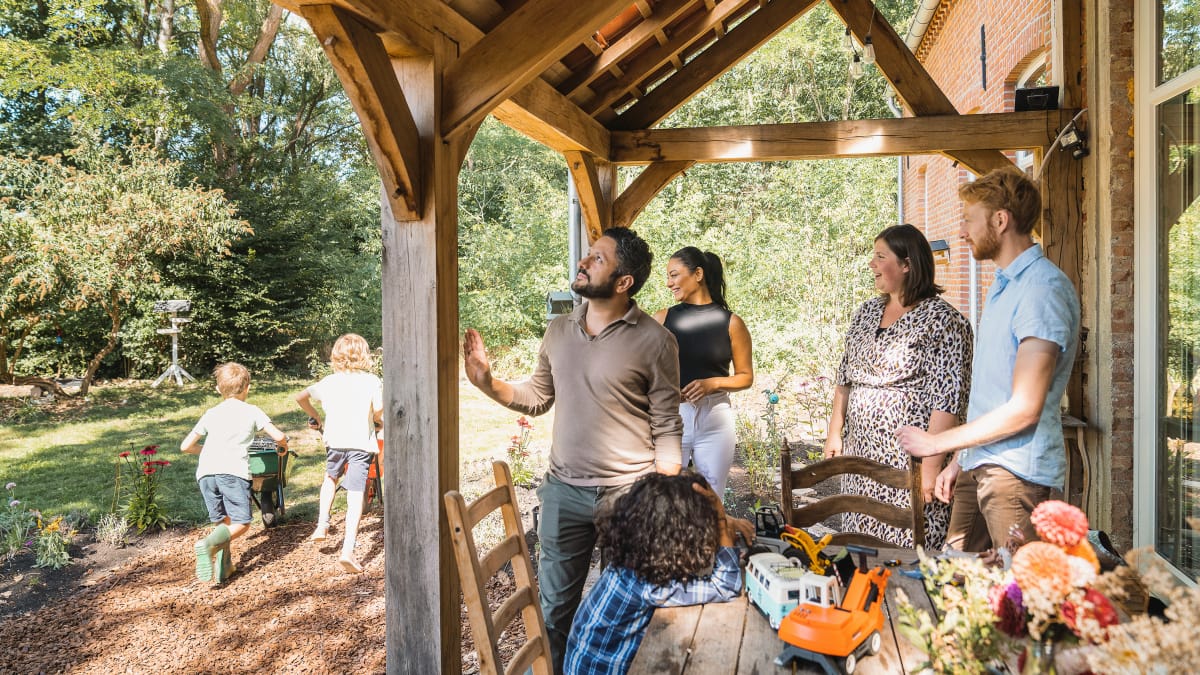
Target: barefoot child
[
  {"x": 661, "y": 539},
  {"x": 223, "y": 471},
  {"x": 352, "y": 398}
]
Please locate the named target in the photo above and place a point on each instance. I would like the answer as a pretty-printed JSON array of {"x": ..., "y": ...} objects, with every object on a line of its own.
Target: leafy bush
[{"x": 760, "y": 448}]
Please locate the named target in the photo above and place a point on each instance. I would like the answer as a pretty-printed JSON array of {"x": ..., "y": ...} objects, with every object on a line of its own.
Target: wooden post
[{"x": 420, "y": 337}]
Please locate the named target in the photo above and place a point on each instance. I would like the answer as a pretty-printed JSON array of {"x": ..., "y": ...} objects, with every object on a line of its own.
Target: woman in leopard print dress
[{"x": 907, "y": 362}]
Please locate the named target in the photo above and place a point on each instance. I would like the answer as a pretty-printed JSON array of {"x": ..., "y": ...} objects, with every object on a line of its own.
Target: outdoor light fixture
[
  {"x": 856, "y": 68},
  {"x": 941, "y": 251},
  {"x": 1074, "y": 140},
  {"x": 868, "y": 51},
  {"x": 847, "y": 40}
]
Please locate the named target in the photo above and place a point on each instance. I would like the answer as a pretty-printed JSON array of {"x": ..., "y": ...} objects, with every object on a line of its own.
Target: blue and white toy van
[{"x": 774, "y": 583}]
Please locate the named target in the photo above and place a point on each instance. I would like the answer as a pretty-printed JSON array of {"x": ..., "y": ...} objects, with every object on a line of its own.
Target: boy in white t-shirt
[
  {"x": 223, "y": 471},
  {"x": 352, "y": 398}
]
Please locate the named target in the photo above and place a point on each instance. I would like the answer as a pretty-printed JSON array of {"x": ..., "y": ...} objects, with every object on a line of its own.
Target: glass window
[
  {"x": 1178, "y": 168},
  {"x": 1178, "y": 37}
]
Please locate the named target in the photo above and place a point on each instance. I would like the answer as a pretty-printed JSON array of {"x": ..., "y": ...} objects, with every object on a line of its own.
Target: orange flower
[
  {"x": 1059, "y": 523},
  {"x": 1042, "y": 566},
  {"x": 1083, "y": 549}
]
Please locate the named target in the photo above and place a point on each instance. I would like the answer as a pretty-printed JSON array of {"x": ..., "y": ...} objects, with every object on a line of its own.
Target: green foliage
[
  {"x": 51, "y": 547},
  {"x": 760, "y": 447},
  {"x": 17, "y": 523}
]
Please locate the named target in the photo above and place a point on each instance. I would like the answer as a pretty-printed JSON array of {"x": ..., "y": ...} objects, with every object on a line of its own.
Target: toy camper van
[{"x": 776, "y": 584}]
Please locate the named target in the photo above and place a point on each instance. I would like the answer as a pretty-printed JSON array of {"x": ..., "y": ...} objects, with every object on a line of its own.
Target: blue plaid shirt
[{"x": 609, "y": 625}]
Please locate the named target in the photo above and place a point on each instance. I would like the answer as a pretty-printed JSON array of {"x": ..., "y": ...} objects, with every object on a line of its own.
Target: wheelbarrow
[
  {"x": 374, "y": 489},
  {"x": 268, "y": 478}
]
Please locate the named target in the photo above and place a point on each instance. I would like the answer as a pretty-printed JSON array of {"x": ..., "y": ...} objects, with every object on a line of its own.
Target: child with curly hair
[
  {"x": 352, "y": 398},
  {"x": 661, "y": 539}
]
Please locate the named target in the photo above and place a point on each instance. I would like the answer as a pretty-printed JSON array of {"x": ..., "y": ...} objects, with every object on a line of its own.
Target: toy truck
[
  {"x": 775, "y": 583},
  {"x": 835, "y": 633}
]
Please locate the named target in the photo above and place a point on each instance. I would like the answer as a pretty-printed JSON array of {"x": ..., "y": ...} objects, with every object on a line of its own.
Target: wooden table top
[{"x": 735, "y": 638}]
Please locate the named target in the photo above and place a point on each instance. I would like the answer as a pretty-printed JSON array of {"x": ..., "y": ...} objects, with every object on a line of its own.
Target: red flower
[
  {"x": 1007, "y": 603},
  {"x": 163, "y": 462},
  {"x": 149, "y": 470},
  {"x": 524, "y": 423},
  {"x": 150, "y": 450},
  {"x": 1095, "y": 607},
  {"x": 123, "y": 454}
]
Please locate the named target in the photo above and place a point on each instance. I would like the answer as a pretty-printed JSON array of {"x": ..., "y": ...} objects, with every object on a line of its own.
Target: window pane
[
  {"x": 1179, "y": 323},
  {"x": 1178, "y": 37}
]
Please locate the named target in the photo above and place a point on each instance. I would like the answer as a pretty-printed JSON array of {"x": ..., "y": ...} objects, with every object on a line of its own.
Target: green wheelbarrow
[{"x": 268, "y": 478}]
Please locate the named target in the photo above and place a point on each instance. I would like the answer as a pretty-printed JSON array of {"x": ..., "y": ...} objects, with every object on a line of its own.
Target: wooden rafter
[
  {"x": 722, "y": 55},
  {"x": 843, "y": 138},
  {"x": 638, "y": 194},
  {"x": 663, "y": 14},
  {"x": 508, "y": 57},
  {"x": 907, "y": 76},
  {"x": 595, "y": 200},
  {"x": 365, "y": 69},
  {"x": 652, "y": 60}
]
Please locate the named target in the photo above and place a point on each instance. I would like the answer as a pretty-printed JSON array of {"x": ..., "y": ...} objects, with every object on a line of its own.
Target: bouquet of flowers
[{"x": 1052, "y": 595}]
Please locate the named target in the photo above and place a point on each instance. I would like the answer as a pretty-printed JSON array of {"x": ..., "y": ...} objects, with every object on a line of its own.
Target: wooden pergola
[{"x": 590, "y": 79}]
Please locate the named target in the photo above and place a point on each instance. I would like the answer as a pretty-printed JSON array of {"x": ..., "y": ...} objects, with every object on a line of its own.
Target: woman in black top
[{"x": 710, "y": 337}]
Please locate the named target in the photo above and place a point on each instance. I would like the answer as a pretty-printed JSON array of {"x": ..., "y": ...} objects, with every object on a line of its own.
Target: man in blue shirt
[{"x": 1011, "y": 454}]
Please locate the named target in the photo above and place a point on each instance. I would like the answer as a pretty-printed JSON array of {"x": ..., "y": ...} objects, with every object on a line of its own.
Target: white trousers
[{"x": 709, "y": 438}]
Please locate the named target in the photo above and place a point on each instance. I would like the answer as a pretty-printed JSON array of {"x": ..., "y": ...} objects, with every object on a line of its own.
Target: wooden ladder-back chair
[
  {"x": 475, "y": 570},
  {"x": 912, "y": 518}
]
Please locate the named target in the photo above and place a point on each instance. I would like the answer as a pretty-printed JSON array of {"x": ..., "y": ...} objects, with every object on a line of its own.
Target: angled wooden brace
[
  {"x": 649, "y": 183},
  {"x": 365, "y": 69},
  {"x": 594, "y": 179}
]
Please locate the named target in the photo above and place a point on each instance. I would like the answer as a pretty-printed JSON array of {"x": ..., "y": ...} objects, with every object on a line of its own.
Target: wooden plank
[
  {"x": 810, "y": 475},
  {"x": 420, "y": 339},
  {"x": 651, "y": 60},
  {"x": 663, "y": 14},
  {"x": 666, "y": 645},
  {"x": 760, "y": 644},
  {"x": 365, "y": 70},
  {"x": 908, "y": 77},
  {"x": 645, "y": 187},
  {"x": 710, "y": 64},
  {"x": 595, "y": 201},
  {"x": 537, "y": 110},
  {"x": 843, "y": 138},
  {"x": 896, "y": 646},
  {"x": 718, "y": 636},
  {"x": 830, "y": 506},
  {"x": 509, "y": 56},
  {"x": 1067, "y": 59}
]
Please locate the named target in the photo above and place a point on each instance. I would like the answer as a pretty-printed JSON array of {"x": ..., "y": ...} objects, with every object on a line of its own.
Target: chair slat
[
  {"x": 888, "y": 513},
  {"x": 812, "y": 474},
  {"x": 524, "y": 659},
  {"x": 513, "y": 604},
  {"x": 488, "y": 502},
  {"x": 495, "y": 559}
]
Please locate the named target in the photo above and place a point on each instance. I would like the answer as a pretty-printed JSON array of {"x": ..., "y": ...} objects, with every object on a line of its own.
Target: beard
[
  {"x": 598, "y": 291},
  {"x": 987, "y": 246}
]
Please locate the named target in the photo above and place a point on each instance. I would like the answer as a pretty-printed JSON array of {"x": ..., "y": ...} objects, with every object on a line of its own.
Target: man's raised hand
[{"x": 475, "y": 360}]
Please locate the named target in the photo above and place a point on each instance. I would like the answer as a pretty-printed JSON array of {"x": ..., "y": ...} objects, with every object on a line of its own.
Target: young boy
[
  {"x": 352, "y": 398},
  {"x": 223, "y": 471},
  {"x": 660, "y": 539}
]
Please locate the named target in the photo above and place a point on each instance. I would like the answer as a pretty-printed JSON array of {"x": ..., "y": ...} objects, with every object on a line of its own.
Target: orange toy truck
[{"x": 832, "y": 634}]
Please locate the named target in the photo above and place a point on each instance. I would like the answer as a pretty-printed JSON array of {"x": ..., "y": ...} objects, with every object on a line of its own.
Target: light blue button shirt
[{"x": 1030, "y": 298}]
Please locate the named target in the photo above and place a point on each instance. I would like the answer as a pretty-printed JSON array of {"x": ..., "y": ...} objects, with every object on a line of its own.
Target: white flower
[
  {"x": 1082, "y": 572},
  {"x": 10, "y": 486},
  {"x": 15, "y": 502}
]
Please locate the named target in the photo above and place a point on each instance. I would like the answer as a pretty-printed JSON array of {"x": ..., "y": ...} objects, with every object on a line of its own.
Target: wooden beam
[
  {"x": 908, "y": 77},
  {"x": 421, "y": 345},
  {"x": 645, "y": 187},
  {"x": 415, "y": 22},
  {"x": 651, "y": 60},
  {"x": 515, "y": 53},
  {"x": 845, "y": 138},
  {"x": 711, "y": 63},
  {"x": 594, "y": 180},
  {"x": 664, "y": 13},
  {"x": 1067, "y": 58},
  {"x": 365, "y": 69}
]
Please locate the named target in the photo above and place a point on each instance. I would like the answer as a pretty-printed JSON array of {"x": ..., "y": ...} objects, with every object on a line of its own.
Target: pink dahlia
[{"x": 1059, "y": 523}]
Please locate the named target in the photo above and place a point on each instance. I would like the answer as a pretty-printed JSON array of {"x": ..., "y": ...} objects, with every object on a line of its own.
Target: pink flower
[
  {"x": 1059, "y": 523},
  {"x": 524, "y": 423},
  {"x": 150, "y": 450},
  {"x": 10, "y": 486},
  {"x": 149, "y": 470},
  {"x": 123, "y": 455}
]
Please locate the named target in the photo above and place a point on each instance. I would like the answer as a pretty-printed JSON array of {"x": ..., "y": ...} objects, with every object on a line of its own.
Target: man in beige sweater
[{"x": 613, "y": 372}]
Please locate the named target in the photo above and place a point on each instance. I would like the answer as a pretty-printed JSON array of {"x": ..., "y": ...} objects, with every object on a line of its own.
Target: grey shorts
[
  {"x": 226, "y": 495},
  {"x": 354, "y": 462}
]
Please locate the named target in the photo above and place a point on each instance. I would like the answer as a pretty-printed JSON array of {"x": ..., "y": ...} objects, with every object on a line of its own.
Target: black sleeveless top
[{"x": 703, "y": 335}]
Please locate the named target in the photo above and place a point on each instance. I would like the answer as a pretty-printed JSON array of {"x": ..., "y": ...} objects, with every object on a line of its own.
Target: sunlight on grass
[{"x": 65, "y": 462}]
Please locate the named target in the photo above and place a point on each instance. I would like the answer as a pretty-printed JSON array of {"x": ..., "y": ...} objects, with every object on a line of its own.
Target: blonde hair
[
  {"x": 1009, "y": 189},
  {"x": 351, "y": 352},
  {"x": 232, "y": 379}
]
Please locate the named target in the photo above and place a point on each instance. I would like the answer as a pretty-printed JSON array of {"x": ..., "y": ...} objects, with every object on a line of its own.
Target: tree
[{"x": 106, "y": 222}]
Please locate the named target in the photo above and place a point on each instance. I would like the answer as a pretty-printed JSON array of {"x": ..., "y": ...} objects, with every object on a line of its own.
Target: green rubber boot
[
  {"x": 206, "y": 570},
  {"x": 224, "y": 563}
]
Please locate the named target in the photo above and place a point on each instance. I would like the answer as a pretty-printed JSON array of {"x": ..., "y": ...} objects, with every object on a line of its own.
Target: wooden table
[{"x": 735, "y": 638}]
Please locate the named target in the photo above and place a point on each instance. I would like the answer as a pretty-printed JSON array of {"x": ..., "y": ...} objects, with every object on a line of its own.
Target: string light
[
  {"x": 847, "y": 40},
  {"x": 868, "y": 51},
  {"x": 856, "y": 67}
]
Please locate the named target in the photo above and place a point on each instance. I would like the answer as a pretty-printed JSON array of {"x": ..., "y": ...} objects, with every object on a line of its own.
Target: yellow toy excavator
[{"x": 807, "y": 551}]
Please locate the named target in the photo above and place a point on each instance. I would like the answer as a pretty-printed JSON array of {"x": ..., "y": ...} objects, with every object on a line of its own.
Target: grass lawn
[{"x": 62, "y": 457}]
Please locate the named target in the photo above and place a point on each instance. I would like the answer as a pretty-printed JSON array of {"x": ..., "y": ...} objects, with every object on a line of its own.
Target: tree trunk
[
  {"x": 209, "y": 13},
  {"x": 166, "y": 25},
  {"x": 114, "y": 313}
]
